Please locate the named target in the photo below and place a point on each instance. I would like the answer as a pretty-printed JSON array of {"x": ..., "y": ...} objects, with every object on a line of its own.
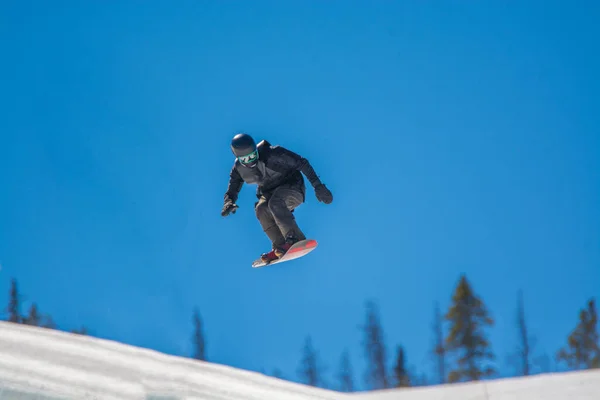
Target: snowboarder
[{"x": 277, "y": 172}]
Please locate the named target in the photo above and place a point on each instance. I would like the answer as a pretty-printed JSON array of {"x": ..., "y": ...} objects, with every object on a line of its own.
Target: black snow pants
[{"x": 274, "y": 211}]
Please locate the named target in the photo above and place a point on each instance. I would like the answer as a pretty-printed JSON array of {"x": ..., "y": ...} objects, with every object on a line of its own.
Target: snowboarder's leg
[
  {"x": 267, "y": 221},
  {"x": 282, "y": 202}
]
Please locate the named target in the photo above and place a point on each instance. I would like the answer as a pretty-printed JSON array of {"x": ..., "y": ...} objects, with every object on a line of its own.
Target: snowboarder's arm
[
  {"x": 234, "y": 186},
  {"x": 309, "y": 172},
  {"x": 303, "y": 165},
  {"x": 300, "y": 163}
]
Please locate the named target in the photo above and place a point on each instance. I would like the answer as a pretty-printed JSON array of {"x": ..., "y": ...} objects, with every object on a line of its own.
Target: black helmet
[{"x": 244, "y": 148}]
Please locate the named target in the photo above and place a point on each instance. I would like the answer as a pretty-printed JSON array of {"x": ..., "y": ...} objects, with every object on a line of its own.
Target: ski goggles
[{"x": 249, "y": 158}]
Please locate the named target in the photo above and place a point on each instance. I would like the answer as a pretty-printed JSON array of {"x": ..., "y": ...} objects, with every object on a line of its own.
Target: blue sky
[{"x": 455, "y": 139}]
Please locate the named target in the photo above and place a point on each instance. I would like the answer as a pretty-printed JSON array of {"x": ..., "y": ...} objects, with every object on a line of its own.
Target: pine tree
[
  {"x": 309, "y": 371},
  {"x": 468, "y": 316},
  {"x": 375, "y": 349},
  {"x": 33, "y": 318},
  {"x": 198, "y": 338},
  {"x": 582, "y": 350},
  {"x": 14, "y": 305},
  {"x": 400, "y": 370},
  {"x": 80, "y": 331},
  {"x": 439, "y": 350},
  {"x": 345, "y": 375},
  {"x": 526, "y": 343},
  {"x": 47, "y": 322}
]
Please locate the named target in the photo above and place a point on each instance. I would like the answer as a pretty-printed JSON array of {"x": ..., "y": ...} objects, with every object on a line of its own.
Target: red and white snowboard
[{"x": 298, "y": 250}]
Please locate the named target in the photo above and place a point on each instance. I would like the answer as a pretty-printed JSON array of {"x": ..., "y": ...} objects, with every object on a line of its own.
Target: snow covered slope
[
  {"x": 42, "y": 364},
  {"x": 60, "y": 365},
  {"x": 583, "y": 385}
]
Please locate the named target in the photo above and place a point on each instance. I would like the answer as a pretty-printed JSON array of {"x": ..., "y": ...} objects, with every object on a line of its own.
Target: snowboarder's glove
[
  {"x": 323, "y": 194},
  {"x": 229, "y": 207}
]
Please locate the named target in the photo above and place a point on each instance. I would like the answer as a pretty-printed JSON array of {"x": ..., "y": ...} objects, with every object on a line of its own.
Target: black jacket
[{"x": 276, "y": 166}]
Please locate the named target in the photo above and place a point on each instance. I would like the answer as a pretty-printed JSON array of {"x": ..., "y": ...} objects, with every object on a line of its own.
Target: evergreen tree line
[
  {"x": 33, "y": 316},
  {"x": 462, "y": 350}
]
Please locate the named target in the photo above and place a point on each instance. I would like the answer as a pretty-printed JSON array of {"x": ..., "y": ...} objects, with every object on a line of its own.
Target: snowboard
[{"x": 298, "y": 250}]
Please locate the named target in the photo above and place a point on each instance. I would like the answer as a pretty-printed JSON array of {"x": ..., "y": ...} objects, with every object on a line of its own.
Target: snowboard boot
[
  {"x": 276, "y": 253},
  {"x": 279, "y": 251},
  {"x": 290, "y": 240},
  {"x": 269, "y": 257}
]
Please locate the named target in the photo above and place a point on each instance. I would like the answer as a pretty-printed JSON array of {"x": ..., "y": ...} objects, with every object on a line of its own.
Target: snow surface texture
[
  {"x": 584, "y": 385},
  {"x": 44, "y": 364}
]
